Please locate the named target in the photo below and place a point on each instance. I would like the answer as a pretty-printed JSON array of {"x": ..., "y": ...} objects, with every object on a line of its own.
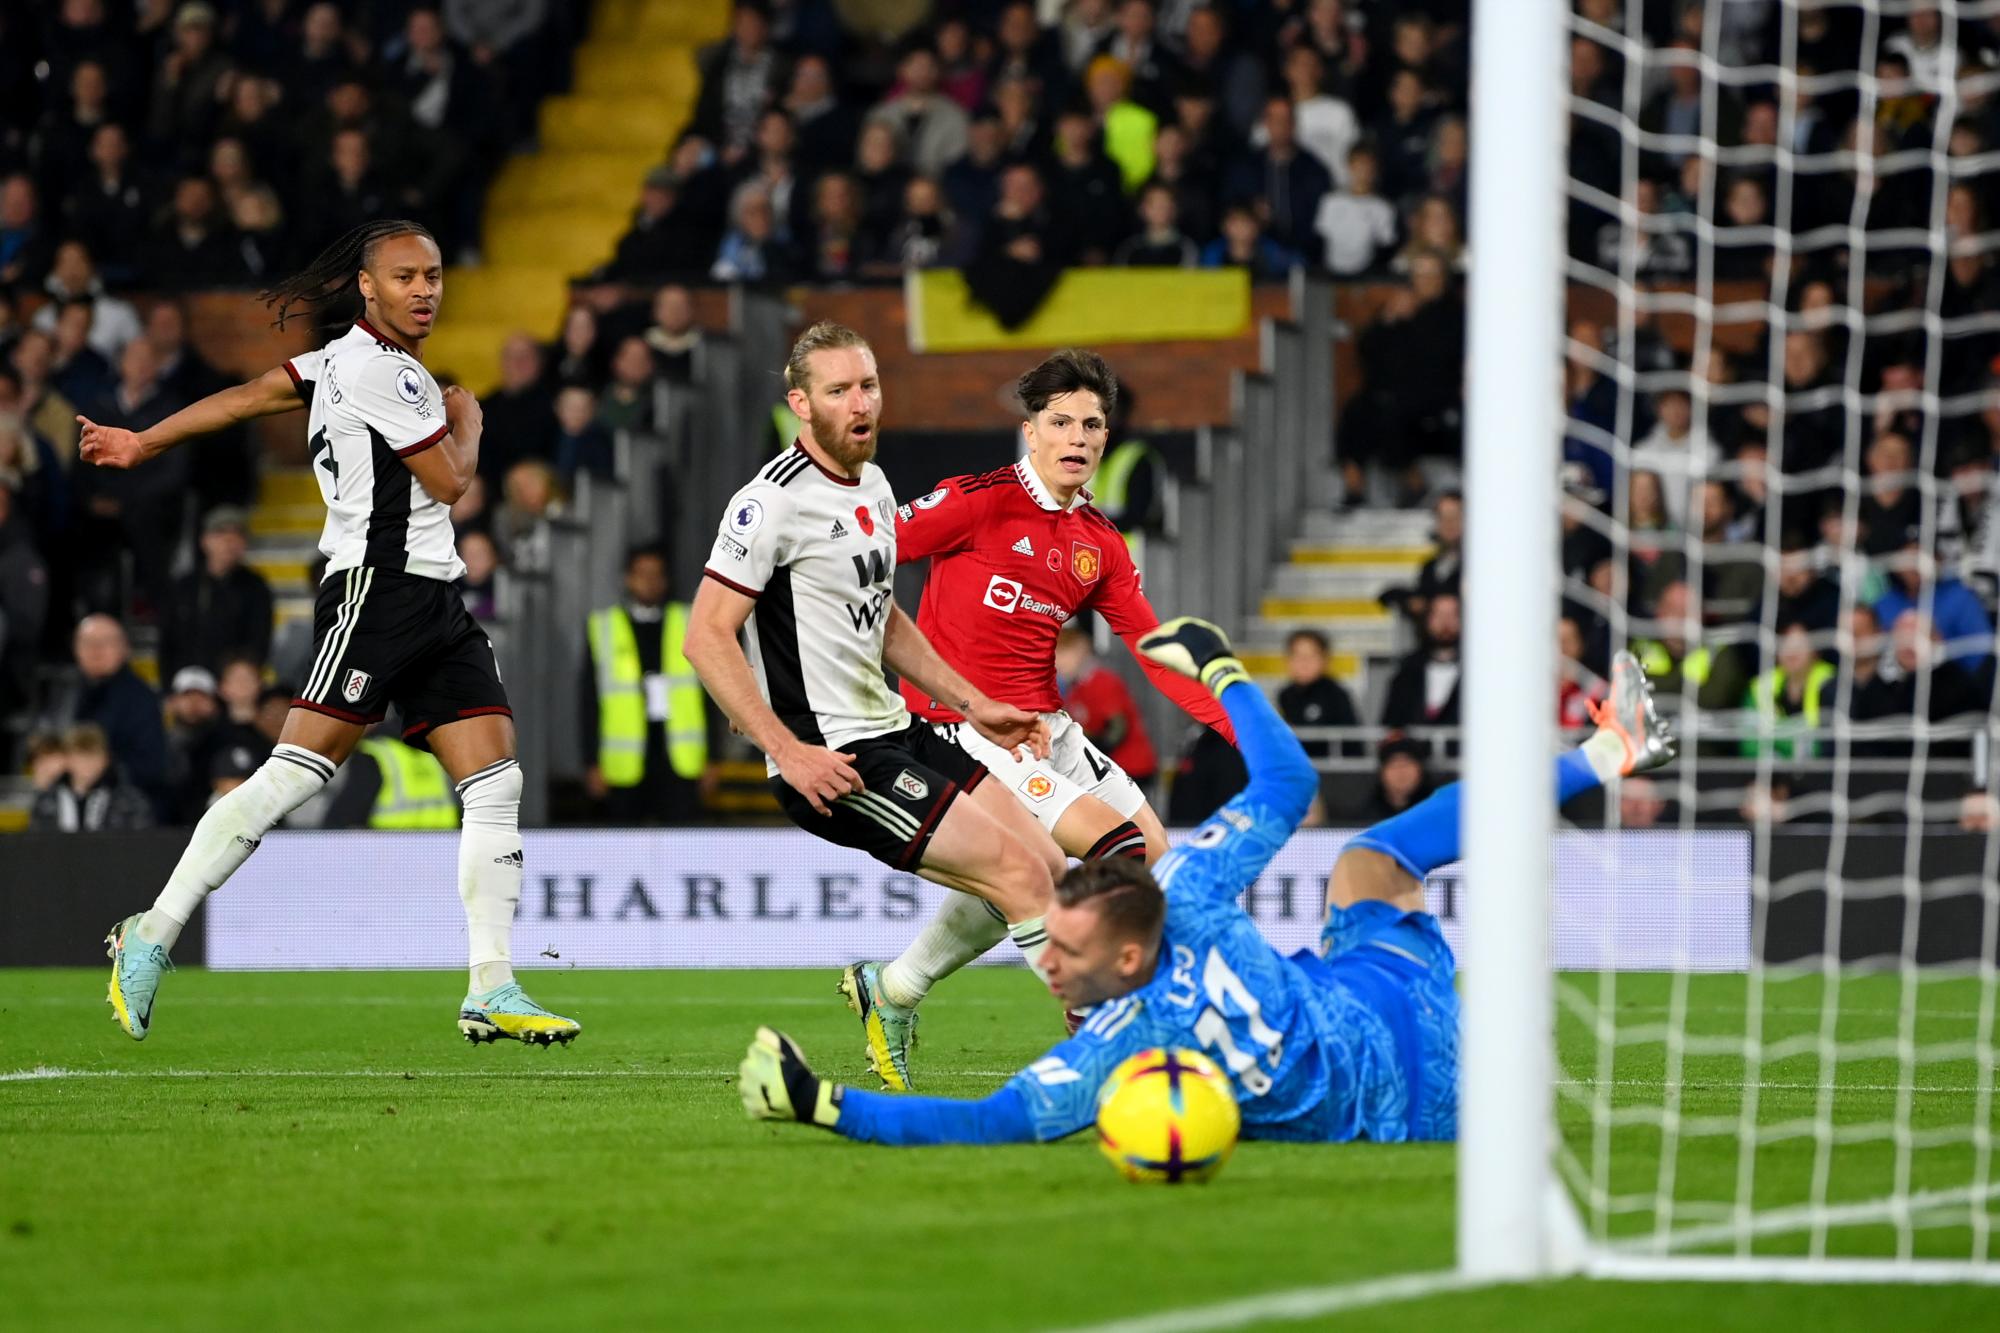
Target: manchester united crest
[{"x": 1085, "y": 561}]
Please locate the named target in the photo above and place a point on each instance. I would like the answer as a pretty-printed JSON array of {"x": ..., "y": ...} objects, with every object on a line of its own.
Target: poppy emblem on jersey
[
  {"x": 934, "y": 499},
  {"x": 1085, "y": 561},
  {"x": 1039, "y": 787},
  {"x": 1003, "y": 594},
  {"x": 1055, "y": 561},
  {"x": 746, "y": 518},
  {"x": 409, "y": 387},
  {"x": 912, "y": 786},
  {"x": 356, "y": 686},
  {"x": 865, "y": 519}
]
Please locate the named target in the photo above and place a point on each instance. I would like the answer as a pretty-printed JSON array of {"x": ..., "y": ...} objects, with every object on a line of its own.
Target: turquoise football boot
[
  {"x": 135, "y": 976},
  {"x": 890, "y": 1029},
  {"x": 506, "y": 1011}
]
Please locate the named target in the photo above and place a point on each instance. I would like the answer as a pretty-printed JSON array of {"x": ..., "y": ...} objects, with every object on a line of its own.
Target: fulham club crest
[
  {"x": 1085, "y": 561},
  {"x": 356, "y": 686}
]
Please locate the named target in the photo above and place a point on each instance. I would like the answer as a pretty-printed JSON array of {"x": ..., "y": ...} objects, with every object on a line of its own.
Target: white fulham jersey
[
  {"x": 374, "y": 405},
  {"x": 818, "y": 552}
]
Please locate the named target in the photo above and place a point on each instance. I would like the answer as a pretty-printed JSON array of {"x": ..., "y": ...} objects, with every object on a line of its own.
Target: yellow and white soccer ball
[{"x": 1167, "y": 1115}]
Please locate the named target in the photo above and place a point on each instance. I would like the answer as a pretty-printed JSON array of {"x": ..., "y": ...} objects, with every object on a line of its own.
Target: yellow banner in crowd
[{"x": 1087, "y": 307}]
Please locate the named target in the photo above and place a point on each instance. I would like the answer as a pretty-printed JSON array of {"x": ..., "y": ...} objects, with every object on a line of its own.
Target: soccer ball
[{"x": 1168, "y": 1116}]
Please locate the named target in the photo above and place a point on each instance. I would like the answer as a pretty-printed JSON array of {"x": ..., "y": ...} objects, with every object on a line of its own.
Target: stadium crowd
[{"x": 171, "y": 147}]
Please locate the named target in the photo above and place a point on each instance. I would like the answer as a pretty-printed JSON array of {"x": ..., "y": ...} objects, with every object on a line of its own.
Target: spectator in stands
[
  {"x": 82, "y": 372},
  {"x": 481, "y": 585},
  {"x": 1891, "y": 505},
  {"x": 922, "y": 237},
  {"x": 196, "y": 248},
  {"x": 143, "y": 506},
  {"x": 1784, "y": 703},
  {"x": 471, "y": 512},
  {"x": 1676, "y": 452},
  {"x": 1357, "y": 227},
  {"x": 1402, "y": 136},
  {"x": 504, "y": 40},
  {"x": 1401, "y": 779},
  {"x": 1023, "y": 134},
  {"x": 107, "y": 203},
  {"x": 224, "y": 470},
  {"x": 1102, "y": 705},
  {"x": 1020, "y": 252},
  {"x": 1135, "y": 41},
  {"x": 43, "y": 405},
  {"x": 739, "y": 78},
  {"x": 769, "y": 164},
  {"x": 274, "y": 703},
  {"x": 578, "y": 356},
  {"x": 1283, "y": 182},
  {"x": 1245, "y": 244},
  {"x": 583, "y": 439},
  {"x": 662, "y": 238},
  {"x": 1124, "y": 129},
  {"x": 112, "y": 696},
  {"x": 679, "y": 346},
  {"x": 1746, "y": 258},
  {"x": 1870, "y": 695},
  {"x": 73, "y": 278},
  {"x": 238, "y": 685},
  {"x": 928, "y": 122},
  {"x": 1236, "y": 75},
  {"x": 1312, "y": 698},
  {"x": 1159, "y": 242},
  {"x": 1441, "y": 574},
  {"x": 92, "y": 796},
  {"x": 24, "y": 241},
  {"x": 194, "y": 732},
  {"x": 1915, "y": 584},
  {"x": 64, "y": 135},
  {"x": 188, "y": 84},
  {"x": 1640, "y": 804},
  {"x": 627, "y": 404},
  {"x": 1424, "y": 690},
  {"x": 1412, "y": 359},
  {"x": 752, "y": 251},
  {"x": 1576, "y": 685},
  {"x": 644, "y": 719},
  {"x": 838, "y": 247},
  {"x": 880, "y": 174},
  {"x": 520, "y": 417},
  {"x": 1327, "y": 126},
  {"x": 521, "y": 527},
  {"x": 1450, "y": 160},
  {"x": 222, "y": 607},
  {"x": 826, "y": 127},
  {"x": 1679, "y": 665},
  {"x": 1433, "y": 229},
  {"x": 24, "y": 599}
]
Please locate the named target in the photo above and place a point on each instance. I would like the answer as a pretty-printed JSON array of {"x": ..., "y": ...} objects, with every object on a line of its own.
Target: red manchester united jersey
[{"x": 1009, "y": 568}]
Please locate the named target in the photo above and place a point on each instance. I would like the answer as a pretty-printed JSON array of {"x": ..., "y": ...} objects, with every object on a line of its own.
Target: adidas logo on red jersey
[{"x": 1023, "y": 548}]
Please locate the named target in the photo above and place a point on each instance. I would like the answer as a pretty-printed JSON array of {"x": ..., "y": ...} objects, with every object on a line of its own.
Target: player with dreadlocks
[{"x": 391, "y": 453}]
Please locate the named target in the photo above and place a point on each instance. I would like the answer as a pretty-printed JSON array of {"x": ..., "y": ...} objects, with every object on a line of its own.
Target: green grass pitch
[{"x": 321, "y": 1151}]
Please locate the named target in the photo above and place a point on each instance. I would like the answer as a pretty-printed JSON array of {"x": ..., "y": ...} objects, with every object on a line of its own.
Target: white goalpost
[{"x": 1819, "y": 1106}]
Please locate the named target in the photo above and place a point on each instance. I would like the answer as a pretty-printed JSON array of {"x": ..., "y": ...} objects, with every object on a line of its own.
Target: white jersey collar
[{"x": 1032, "y": 479}]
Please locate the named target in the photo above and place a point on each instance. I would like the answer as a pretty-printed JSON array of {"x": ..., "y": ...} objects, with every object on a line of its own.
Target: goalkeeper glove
[{"x": 776, "y": 1084}]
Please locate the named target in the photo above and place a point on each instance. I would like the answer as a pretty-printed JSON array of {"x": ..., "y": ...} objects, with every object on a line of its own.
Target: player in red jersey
[{"x": 1015, "y": 554}]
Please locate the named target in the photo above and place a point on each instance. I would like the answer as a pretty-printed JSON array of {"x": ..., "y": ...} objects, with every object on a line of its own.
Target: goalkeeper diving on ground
[{"x": 1358, "y": 1041}]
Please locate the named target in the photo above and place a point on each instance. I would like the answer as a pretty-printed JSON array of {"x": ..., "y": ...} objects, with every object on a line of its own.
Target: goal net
[{"x": 1778, "y": 226}]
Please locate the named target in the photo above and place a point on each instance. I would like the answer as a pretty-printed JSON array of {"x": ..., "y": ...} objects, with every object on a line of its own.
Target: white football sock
[
  {"x": 489, "y": 870},
  {"x": 1031, "y": 937},
  {"x": 229, "y": 832},
  {"x": 964, "y": 928},
  {"x": 1606, "y": 753}
]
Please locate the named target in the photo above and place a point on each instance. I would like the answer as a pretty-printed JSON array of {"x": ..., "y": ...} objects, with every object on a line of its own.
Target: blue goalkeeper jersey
[{"x": 1360, "y": 1045}]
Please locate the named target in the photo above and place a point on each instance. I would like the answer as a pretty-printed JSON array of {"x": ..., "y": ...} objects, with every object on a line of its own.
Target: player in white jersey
[
  {"x": 804, "y": 561},
  {"x": 391, "y": 453}
]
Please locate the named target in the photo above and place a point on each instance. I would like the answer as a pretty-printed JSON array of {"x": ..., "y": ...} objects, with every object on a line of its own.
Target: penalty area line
[{"x": 1297, "y": 1303}]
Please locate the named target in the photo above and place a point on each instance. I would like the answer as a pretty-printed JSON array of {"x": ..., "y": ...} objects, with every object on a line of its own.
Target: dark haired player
[
  {"x": 1357, "y": 1041},
  {"x": 1016, "y": 554},
  {"x": 391, "y": 453}
]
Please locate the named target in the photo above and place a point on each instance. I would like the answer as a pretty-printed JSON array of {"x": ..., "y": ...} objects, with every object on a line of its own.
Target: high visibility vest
[
  {"x": 1653, "y": 656},
  {"x": 1111, "y": 490},
  {"x": 621, "y": 698},
  {"x": 415, "y": 792},
  {"x": 1764, "y": 692}
]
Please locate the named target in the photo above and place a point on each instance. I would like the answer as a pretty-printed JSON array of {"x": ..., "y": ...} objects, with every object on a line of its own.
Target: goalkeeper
[{"x": 1358, "y": 1042}]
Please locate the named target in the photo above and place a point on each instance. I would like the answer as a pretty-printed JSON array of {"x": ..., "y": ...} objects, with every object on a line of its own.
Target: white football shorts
[{"x": 1048, "y": 787}]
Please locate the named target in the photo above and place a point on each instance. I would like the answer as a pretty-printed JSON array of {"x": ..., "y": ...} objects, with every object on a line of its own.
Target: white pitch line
[
  {"x": 1299, "y": 1303},
  {"x": 44, "y": 1072},
  {"x": 1705, "y": 1084}
]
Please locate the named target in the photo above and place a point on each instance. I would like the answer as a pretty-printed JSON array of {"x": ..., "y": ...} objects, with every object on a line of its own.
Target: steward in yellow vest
[
  {"x": 415, "y": 791},
  {"x": 1785, "y": 700},
  {"x": 644, "y": 715}
]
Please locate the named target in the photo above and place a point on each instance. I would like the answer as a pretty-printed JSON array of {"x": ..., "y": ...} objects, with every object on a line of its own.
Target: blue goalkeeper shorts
[{"x": 1400, "y": 967}]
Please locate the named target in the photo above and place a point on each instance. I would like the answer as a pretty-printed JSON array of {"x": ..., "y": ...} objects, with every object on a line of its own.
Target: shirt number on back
[{"x": 1225, "y": 989}]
